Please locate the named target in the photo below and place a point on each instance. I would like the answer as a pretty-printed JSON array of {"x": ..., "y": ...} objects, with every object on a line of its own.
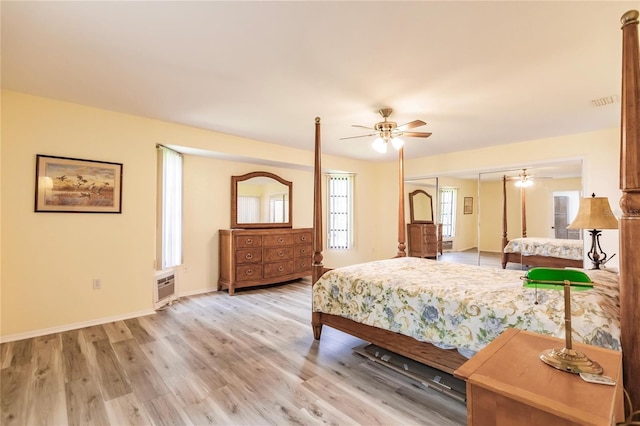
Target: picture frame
[
  {"x": 468, "y": 205},
  {"x": 74, "y": 185}
]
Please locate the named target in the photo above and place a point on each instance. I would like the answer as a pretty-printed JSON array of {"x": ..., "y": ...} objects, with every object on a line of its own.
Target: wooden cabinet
[
  {"x": 251, "y": 257},
  {"x": 425, "y": 239},
  {"x": 507, "y": 384}
]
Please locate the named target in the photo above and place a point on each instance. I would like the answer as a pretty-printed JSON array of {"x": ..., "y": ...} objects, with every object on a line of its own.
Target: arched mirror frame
[
  {"x": 412, "y": 209},
  {"x": 234, "y": 201}
]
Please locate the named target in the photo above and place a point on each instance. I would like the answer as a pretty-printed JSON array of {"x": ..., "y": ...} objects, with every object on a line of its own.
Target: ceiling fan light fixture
[
  {"x": 397, "y": 143},
  {"x": 388, "y": 131},
  {"x": 524, "y": 180},
  {"x": 524, "y": 183},
  {"x": 380, "y": 145}
]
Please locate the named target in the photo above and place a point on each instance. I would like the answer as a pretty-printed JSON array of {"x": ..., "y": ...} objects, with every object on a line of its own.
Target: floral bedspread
[
  {"x": 549, "y": 247},
  {"x": 464, "y": 306}
]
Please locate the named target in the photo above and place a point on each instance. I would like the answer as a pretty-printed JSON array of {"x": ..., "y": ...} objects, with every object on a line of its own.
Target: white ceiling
[{"x": 479, "y": 73}]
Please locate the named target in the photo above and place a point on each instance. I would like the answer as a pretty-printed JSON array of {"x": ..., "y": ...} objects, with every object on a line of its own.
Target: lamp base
[{"x": 570, "y": 360}]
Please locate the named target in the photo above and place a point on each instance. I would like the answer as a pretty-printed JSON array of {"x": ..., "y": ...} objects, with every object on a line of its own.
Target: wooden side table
[{"x": 507, "y": 384}]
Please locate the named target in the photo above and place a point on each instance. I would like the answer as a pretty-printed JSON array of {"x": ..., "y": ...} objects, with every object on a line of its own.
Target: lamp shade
[
  {"x": 594, "y": 213},
  {"x": 380, "y": 145},
  {"x": 397, "y": 143}
]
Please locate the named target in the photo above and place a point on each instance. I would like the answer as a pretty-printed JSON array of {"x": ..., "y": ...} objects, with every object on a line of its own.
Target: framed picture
[
  {"x": 468, "y": 205},
  {"x": 77, "y": 186}
]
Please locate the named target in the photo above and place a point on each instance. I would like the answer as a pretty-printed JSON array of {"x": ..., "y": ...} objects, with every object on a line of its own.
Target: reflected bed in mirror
[{"x": 261, "y": 200}]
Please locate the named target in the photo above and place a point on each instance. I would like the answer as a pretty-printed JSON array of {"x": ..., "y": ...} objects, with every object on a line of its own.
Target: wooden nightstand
[{"x": 507, "y": 384}]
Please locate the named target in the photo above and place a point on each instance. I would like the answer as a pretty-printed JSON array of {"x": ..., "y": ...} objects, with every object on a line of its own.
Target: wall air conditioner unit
[{"x": 165, "y": 288}]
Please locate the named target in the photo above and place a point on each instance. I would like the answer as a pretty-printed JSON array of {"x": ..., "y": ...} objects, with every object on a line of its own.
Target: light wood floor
[
  {"x": 470, "y": 257},
  {"x": 212, "y": 359}
]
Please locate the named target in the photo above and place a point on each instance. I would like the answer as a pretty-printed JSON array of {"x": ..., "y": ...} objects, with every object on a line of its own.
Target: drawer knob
[
  {"x": 281, "y": 240},
  {"x": 249, "y": 256},
  {"x": 281, "y": 253},
  {"x": 303, "y": 251},
  {"x": 249, "y": 241},
  {"x": 249, "y": 272},
  {"x": 303, "y": 238},
  {"x": 280, "y": 269}
]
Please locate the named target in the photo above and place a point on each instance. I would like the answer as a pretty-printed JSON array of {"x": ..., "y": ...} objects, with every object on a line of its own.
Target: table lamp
[
  {"x": 594, "y": 214},
  {"x": 565, "y": 359}
]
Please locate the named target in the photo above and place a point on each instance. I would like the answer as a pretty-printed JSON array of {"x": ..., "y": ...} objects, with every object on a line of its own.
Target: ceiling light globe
[
  {"x": 397, "y": 143},
  {"x": 524, "y": 183},
  {"x": 380, "y": 145}
]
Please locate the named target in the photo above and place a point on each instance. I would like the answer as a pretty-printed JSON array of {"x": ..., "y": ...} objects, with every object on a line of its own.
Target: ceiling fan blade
[
  {"x": 361, "y": 136},
  {"x": 411, "y": 125},
  {"x": 364, "y": 127},
  {"x": 416, "y": 134}
]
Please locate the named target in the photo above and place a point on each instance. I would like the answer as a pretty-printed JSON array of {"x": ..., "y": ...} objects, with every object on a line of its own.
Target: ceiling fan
[
  {"x": 389, "y": 131},
  {"x": 524, "y": 179}
]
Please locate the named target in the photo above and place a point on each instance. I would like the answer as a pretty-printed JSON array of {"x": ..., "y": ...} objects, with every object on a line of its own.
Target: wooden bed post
[
  {"x": 317, "y": 267},
  {"x": 523, "y": 206},
  {"x": 630, "y": 205},
  {"x": 401, "y": 224},
  {"x": 504, "y": 221}
]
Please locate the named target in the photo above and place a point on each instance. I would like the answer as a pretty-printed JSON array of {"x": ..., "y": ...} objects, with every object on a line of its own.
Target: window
[
  {"x": 448, "y": 211},
  {"x": 169, "y": 250},
  {"x": 248, "y": 209},
  {"x": 340, "y": 207},
  {"x": 278, "y": 208}
]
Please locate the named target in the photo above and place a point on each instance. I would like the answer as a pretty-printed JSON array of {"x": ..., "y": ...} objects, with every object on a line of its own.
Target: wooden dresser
[
  {"x": 425, "y": 239},
  {"x": 507, "y": 384},
  {"x": 252, "y": 257}
]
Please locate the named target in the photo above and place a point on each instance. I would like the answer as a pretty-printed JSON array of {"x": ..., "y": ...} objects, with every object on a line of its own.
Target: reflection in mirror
[
  {"x": 542, "y": 209},
  {"x": 424, "y": 234},
  {"x": 551, "y": 203},
  {"x": 420, "y": 207},
  {"x": 260, "y": 200}
]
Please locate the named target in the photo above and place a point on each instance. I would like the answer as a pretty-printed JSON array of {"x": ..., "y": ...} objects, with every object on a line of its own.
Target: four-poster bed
[
  {"x": 544, "y": 252},
  {"x": 448, "y": 360}
]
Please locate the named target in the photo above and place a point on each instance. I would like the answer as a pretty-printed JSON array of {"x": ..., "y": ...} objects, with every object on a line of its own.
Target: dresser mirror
[
  {"x": 260, "y": 200},
  {"x": 420, "y": 207}
]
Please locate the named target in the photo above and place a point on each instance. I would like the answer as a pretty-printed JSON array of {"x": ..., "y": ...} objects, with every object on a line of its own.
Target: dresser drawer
[
  {"x": 430, "y": 239},
  {"x": 303, "y": 250},
  {"x": 248, "y": 241},
  {"x": 252, "y": 257},
  {"x": 249, "y": 255},
  {"x": 278, "y": 268},
  {"x": 303, "y": 238},
  {"x": 302, "y": 264},
  {"x": 278, "y": 253},
  {"x": 278, "y": 240},
  {"x": 248, "y": 272}
]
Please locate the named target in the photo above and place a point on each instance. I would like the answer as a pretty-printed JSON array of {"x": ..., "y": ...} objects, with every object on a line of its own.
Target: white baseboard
[{"x": 74, "y": 326}]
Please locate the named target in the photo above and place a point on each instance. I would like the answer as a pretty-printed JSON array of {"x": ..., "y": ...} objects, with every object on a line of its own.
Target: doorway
[{"x": 565, "y": 208}]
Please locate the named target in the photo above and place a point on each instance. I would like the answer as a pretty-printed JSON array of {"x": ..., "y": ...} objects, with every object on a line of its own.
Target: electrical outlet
[{"x": 97, "y": 284}]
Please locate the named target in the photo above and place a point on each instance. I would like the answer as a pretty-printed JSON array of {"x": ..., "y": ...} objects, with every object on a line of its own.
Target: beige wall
[
  {"x": 50, "y": 259},
  {"x": 599, "y": 151},
  {"x": 491, "y": 199},
  {"x": 539, "y": 201},
  {"x": 466, "y": 225}
]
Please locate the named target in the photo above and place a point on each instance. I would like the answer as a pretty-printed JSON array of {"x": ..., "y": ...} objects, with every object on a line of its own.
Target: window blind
[{"x": 170, "y": 207}]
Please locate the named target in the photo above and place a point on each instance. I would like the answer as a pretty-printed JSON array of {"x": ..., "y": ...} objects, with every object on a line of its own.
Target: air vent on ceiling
[{"x": 607, "y": 100}]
